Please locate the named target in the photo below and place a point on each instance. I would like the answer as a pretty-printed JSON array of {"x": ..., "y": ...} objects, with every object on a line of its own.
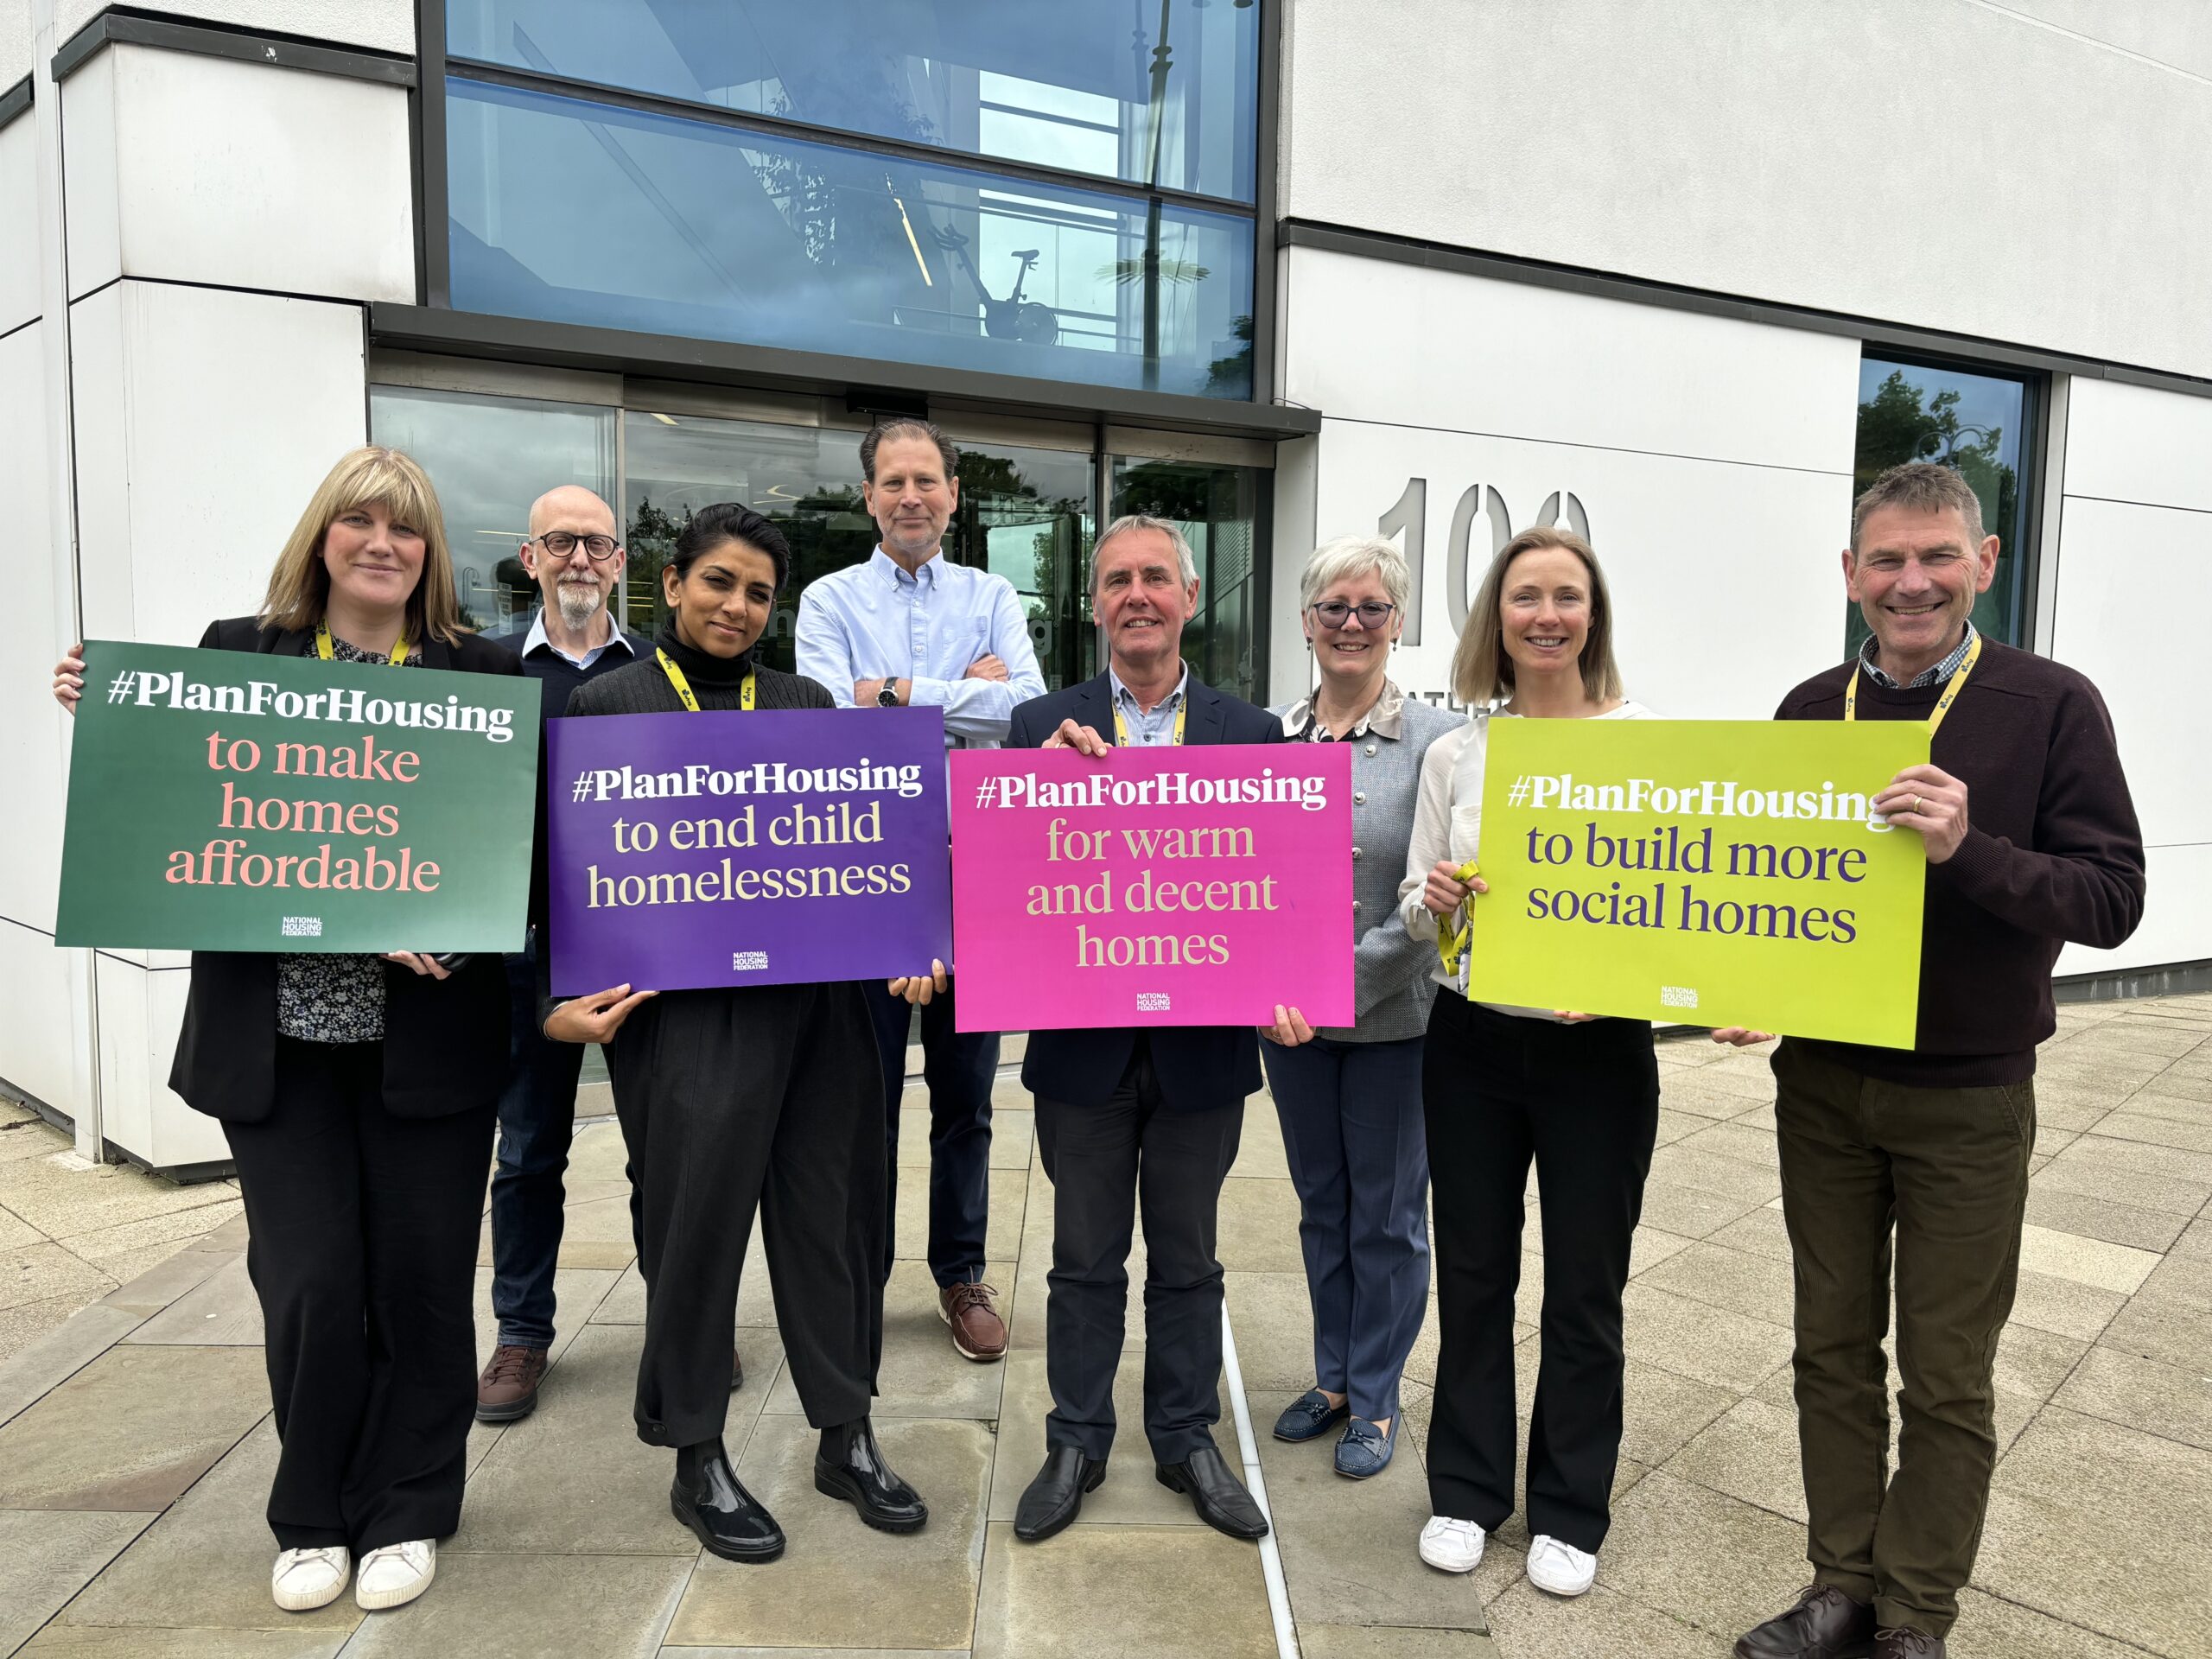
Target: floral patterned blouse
[{"x": 331, "y": 998}]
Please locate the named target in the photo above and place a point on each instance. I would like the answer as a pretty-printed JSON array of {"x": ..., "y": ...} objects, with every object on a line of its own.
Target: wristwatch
[{"x": 887, "y": 697}]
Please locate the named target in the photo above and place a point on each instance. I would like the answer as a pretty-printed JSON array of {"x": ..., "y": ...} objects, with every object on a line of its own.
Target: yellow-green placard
[{"x": 1708, "y": 872}]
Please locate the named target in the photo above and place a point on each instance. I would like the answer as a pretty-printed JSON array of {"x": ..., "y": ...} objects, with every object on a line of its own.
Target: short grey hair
[
  {"x": 1351, "y": 556},
  {"x": 1128, "y": 521},
  {"x": 1919, "y": 487}
]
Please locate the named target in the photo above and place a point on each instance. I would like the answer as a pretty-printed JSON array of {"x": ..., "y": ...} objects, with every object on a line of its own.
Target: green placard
[
  {"x": 222, "y": 800},
  {"x": 1712, "y": 872}
]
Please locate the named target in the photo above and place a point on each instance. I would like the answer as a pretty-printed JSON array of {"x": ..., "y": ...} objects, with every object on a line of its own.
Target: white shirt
[{"x": 1448, "y": 823}]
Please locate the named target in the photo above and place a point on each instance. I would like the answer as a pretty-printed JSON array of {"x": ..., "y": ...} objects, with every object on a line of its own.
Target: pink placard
[{"x": 1167, "y": 887}]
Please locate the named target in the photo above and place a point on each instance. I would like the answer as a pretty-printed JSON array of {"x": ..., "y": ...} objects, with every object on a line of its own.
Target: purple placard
[{"x": 763, "y": 849}]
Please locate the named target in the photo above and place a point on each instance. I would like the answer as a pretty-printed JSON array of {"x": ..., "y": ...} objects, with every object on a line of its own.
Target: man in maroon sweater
[{"x": 2031, "y": 841}]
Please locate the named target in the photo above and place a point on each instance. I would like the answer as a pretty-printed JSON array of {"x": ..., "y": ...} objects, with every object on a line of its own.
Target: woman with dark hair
[
  {"x": 357, "y": 1093},
  {"x": 762, "y": 1097}
]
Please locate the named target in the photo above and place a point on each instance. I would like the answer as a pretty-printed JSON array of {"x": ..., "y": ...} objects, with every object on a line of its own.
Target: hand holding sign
[{"x": 1928, "y": 799}]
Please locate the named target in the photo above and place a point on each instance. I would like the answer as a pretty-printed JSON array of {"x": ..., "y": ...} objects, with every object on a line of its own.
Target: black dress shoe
[
  {"x": 1905, "y": 1643},
  {"x": 1824, "y": 1625},
  {"x": 1055, "y": 1497},
  {"x": 728, "y": 1521},
  {"x": 1219, "y": 1497},
  {"x": 850, "y": 1465}
]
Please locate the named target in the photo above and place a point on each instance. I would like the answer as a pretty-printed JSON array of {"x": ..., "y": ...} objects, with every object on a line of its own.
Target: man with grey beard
[{"x": 576, "y": 556}]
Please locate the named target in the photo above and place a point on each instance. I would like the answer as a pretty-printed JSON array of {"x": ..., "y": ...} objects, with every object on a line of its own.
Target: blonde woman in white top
[{"x": 1503, "y": 1086}]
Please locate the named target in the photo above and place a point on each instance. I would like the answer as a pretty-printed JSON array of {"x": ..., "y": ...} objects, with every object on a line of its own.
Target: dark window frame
[{"x": 427, "y": 124}]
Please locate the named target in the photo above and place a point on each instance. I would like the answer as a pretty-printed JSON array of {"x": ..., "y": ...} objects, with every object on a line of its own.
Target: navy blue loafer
[
  {"x": 1366, "y": 1449},
  {"x": 1309, "y": 1417}
]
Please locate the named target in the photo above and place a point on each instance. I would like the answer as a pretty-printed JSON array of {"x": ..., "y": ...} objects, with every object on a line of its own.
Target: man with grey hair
[
  {"x": 574, "y": 555},
  {"x": 2032, "y": 842},
  {"x": 1125, "y": 1111}
]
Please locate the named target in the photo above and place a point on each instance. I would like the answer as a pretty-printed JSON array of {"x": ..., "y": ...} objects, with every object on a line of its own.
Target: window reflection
[
  {"x": 1976, "y": 423},
  {"x": 1075, "y": 84},
  {"x": 1217, "y": 509},
  {"x": 573, "y": 211}
]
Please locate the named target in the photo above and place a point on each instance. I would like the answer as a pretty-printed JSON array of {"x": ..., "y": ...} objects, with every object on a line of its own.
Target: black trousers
[
  {"x": 1103, "y": 1162},
  {"x": 1583, "y": 1101},
  {"x": 363, "y": 1231},
  {"x": 733, "y": 1101}
]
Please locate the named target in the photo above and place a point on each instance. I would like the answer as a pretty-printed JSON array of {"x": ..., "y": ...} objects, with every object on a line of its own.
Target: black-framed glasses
[
  {"x": 560, "y": 542},
  {"x": 1334, "y": 612}
]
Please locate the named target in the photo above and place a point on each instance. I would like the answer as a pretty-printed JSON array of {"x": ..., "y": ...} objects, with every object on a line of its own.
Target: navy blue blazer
[{"x": 1200, "y": 1067}]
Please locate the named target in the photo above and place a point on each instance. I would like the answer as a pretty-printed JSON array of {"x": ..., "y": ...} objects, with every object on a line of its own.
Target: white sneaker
[
  {"x": 1451, "y": 1546},
  {"x": 395, "y": 1575},
  {"x": 305, "y": 1579},
  {"x": 1561, "y": 1568}
]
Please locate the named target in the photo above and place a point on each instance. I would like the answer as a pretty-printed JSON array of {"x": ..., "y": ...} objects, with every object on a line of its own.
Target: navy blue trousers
[
  {"x": 1358, "y": 1153},
  {"x": 538, "y": 1120},
  {"x": 959, "y": 1068}
]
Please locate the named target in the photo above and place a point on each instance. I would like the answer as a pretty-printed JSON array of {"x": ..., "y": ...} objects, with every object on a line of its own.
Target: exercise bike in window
[{"x": 1012, "y": 317}]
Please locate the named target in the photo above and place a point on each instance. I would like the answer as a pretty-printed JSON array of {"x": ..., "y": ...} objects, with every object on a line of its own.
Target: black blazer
[
  {"x": 1200, "y": 1067},
  {"x": 445, "y": 1046}
]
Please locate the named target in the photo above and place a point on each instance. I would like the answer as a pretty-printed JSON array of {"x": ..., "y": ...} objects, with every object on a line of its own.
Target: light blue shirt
[
  {"x": 874, "y": 621},
  {"x": 1149, "y": 731},
  {"x": 538, "y": 636}
]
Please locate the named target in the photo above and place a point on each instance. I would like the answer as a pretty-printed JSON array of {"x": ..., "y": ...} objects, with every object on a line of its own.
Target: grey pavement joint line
[{"x": 1254, "y": 1478}]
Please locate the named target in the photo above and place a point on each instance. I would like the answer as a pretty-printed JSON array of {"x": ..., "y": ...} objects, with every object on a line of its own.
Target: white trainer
[
  {"x": 1561, "y": 1568},
  {"x": 305, "y": 1579},
  {"x": 395, "y": 1575},
  {"x": 1451, "y": 1546}
]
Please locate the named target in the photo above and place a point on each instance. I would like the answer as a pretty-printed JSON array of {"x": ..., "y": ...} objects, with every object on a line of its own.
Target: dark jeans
[
  {"x": 734, "y": 1101},
  {"x": 1103, "y": 1162},
  {"x": 1583, "y": 1102},
  {"x": 362, "y": 1248},
  {"x": 959, "y": 1068},
  {"x": 1352, "y": 1130},
  {"x": 1948, "y": 1169},
  {"x": 538, "y": 1120}
]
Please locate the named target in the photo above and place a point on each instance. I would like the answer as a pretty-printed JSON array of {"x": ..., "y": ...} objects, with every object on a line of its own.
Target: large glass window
[
  {"x": 575, "y": 211},
  {"x": 1150, "y": 91},
  {"x": 489, "y": 458},
  {"x": 1978, "y": 422},
  {"x": 1217, "y": 508}
]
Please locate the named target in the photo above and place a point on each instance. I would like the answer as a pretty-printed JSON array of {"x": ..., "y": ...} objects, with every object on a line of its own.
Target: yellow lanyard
[
  {"x": 1451, "y": 944},
  {"x": 1122, "y": 727},
  {"x": 1943, "y": 703},
  {"x": 683, "y": 686},
  {"x": 329, "y": 652}
]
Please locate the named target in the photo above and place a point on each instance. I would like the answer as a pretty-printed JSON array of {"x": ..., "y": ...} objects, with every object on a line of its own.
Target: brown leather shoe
[
  {"x": 508, "y": 1388},
  {"x": 736, "y": 1371},
  {"x": 1907, "y": 1643},
  {"x": 1824, "y": 1625},
  {"x": 977, "y": 1330}
]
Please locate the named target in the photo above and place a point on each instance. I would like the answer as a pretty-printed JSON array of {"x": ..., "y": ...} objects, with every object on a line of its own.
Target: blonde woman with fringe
[
  {"x": 357, "y": 1093},
  {"x": 1503, "y": 1087}
]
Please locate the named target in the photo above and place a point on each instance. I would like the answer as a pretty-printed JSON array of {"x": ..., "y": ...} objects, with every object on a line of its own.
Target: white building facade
[{"x": 1675, "y": 275}]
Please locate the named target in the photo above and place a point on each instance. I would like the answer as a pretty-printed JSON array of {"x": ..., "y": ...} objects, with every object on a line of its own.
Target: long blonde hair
[
  {"x": 1482, "y": 673},
  {"x": 298, "y": 587}
]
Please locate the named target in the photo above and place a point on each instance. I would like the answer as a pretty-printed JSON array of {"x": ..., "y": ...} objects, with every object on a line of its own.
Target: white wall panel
[
  {"x": 89, "y": 179},
  {"x": 14, "y": 42},
  {"x": 2133, "y": 443},
  {"x": 34, "y": 1017},
  {"x": 1945, "y": 164},
  {"x": 2123, "y": 570},
  {"x": 30, "y": 724},
  {"x": 249, "y": 176},
  {"x": 141, "y": 1013},
  {"x": 1369, "y": 340},
  {"x": 1723, "y": 578},
  {"x": 204, "y": 421},
  {"x": 382, "y": 25},
  {"x": 19, "y": 281}
]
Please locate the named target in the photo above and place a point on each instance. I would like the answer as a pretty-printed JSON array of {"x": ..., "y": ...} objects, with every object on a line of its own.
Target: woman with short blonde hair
[{"x": 357, "y": 1093}]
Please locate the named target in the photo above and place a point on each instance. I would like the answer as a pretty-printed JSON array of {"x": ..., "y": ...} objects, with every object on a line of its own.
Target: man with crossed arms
[{"x": 2032, "y": 842}]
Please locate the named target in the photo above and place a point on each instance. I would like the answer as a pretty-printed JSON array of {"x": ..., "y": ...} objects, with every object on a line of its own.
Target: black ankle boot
[
  {"x": 707, "y": 1498},
  {"x": 850, "y": 1465}
]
